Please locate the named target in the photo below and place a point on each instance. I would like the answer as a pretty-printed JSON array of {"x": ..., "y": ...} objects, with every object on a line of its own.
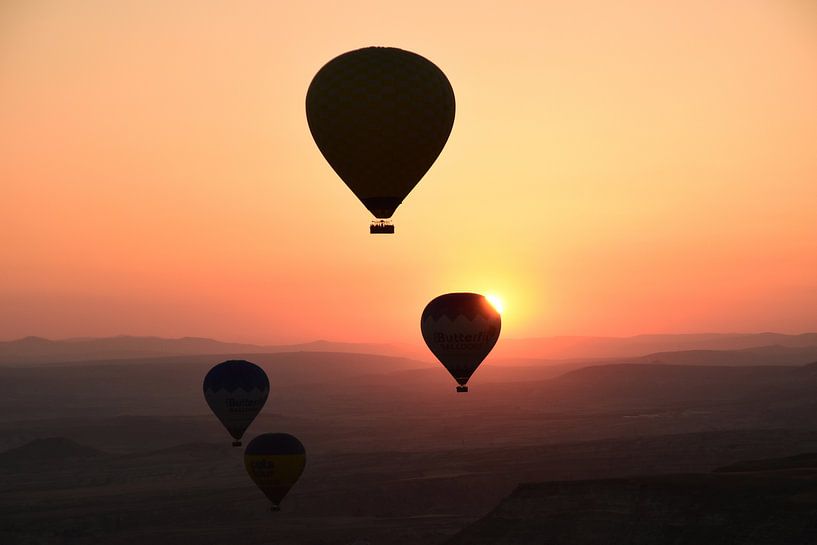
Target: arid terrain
[{"x": 117, "y": 449}]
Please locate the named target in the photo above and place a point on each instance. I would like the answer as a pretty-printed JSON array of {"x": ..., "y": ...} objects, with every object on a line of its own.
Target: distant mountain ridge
[
  {"x": 38, "y": 350},
  {"x": 696, "y": 349},
  {"x": 574, "y": 347},
  {"x": 760, "y": 355}
]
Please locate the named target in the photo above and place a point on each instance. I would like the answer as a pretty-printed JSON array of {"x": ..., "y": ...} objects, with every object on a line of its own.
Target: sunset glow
[
  {"x": 613, "y": 170},
  {"x": 496, "y": 302}
]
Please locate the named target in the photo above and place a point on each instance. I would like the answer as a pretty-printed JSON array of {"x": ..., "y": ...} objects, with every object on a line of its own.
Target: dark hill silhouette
[
  {"x": 760, "y": 508},
  {"x": 806, "y": 460},
  {"x": 48, "y": 450},
  {"x": 619, "y": 386}
]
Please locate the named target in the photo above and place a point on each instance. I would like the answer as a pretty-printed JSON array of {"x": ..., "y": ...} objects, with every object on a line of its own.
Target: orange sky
[{"x": 615, "y": 168}]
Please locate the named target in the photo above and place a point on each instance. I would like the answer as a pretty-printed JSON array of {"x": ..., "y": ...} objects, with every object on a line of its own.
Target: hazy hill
[
  {"x": 760, "y": 355},
  {"x": 170, "y": 385},
  {"x": 661, "y": 385},
  {"x": 499, "y": 369},
  {"x": 640, "y": 345},
  {"x": 352, "y": 401},
  {"x": 30, "y": 350},
  {"x": 762, "y": 508},
  {"x": 312, "y": 383},
  {"x": 674, "y": 393}
]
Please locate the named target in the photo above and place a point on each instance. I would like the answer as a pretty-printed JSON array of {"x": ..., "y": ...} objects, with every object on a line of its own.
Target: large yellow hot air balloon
[
  {"x": 275, "y": 462},
  {"x": 380, "y": 117},
  {"x": 460, "y": 329}
]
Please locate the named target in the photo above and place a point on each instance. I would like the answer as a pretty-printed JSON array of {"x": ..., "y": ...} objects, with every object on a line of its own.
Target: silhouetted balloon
[
  {"x": 380, "y": 116},
  {"x": 460, "y": 329},
  {"x": 275, "y": 461},
  {"x": 236, "y": 390}
]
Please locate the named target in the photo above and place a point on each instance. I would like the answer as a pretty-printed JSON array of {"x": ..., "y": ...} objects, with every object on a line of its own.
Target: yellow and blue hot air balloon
[
  {"x": 460, "y": 329},
  {"x": 380, "y": 116},
  {"x": 275, "y": 461},
  {"x": 236, "y": 390}
]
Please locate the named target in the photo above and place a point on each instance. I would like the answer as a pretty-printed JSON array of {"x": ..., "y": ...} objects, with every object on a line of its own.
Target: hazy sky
[{"x": 615, "y": 168}]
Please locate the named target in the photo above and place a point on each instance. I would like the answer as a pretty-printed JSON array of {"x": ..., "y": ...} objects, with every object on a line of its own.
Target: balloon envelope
[
  {"x": 274, "y": 462},
  {"x": 236, "y": 390},
  {"x": 380, "y": 117},
  {"x": 460, "y": 329}
]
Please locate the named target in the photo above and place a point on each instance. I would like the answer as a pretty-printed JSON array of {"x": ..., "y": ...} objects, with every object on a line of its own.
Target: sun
[{"x": 496, "y": 302}]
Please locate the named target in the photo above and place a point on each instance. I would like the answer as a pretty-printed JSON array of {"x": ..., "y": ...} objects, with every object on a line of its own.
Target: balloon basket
[
  {"x": 381, "y": 227},
  {"x": 462, "y": 388},
  {"x": 275, "y": 508},
  {"x": 236, "y": 443}
]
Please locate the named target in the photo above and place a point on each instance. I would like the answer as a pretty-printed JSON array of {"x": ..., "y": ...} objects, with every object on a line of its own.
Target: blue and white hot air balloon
[{"x": 236, "y": 390}]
